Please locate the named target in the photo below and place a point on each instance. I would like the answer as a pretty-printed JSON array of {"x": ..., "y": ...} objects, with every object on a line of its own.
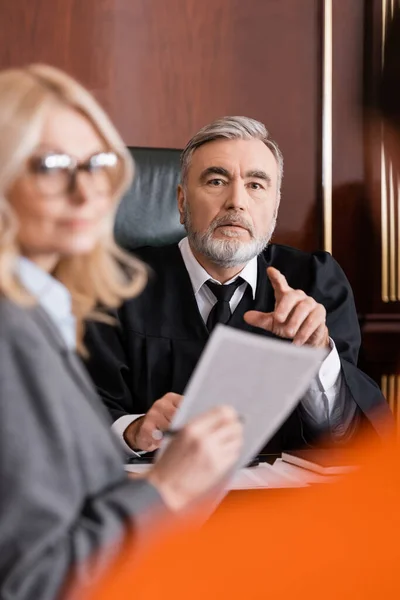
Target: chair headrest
[{"x": 148, "y": 213}]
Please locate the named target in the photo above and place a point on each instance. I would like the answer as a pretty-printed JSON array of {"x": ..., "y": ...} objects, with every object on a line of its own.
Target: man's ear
[{"x": 180, "y": 195}]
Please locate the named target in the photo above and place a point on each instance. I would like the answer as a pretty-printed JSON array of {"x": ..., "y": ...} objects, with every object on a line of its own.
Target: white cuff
[
  {"x": 329, "y": 372},
  {"x": 324, "y": 391},
  {"x": 330, "y": 368},
  {"x": 119, "y": 426}
]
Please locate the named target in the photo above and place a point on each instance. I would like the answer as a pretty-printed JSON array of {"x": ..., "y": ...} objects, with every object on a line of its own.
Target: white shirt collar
[
  {"x": 198, "y": 275},
  {"x": 52, "y": 296}
]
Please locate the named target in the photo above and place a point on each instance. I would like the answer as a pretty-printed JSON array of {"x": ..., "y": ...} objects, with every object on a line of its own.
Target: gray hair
[{"x": 231, "y": 128}]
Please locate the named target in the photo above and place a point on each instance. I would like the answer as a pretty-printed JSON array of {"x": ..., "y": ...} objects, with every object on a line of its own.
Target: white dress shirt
[
  {"x": 321, "y": 405},
  {"x": 52, "y": 296}
]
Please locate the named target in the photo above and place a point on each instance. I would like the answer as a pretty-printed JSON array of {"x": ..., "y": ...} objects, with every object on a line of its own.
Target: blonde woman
[{"x": 64, "y": 496}]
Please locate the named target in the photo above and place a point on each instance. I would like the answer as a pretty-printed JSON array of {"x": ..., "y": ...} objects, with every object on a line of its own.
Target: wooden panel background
[
  {"x": 164, "y": 68},
  {"x": 381, "y": 314},
  {"x": 349, "y": 217}
]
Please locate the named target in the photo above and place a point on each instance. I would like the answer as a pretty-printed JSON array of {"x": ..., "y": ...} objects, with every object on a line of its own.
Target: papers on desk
[
  {"x": 332, "y": 461},
  {"x": 303, "y": 476},
  {"x": 261, "y": 377},
  {"x": 140, "y": 468},
  {"x": 264, "y": 476}
]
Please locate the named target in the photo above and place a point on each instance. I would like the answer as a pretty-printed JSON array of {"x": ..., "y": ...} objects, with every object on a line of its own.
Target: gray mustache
[{"x": 232, "y": 221}]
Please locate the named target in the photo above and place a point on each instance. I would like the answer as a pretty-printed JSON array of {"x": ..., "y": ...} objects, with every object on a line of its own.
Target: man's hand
[
  {"x": 296, "y": 316},
  {"x": 139, "y": 434}
]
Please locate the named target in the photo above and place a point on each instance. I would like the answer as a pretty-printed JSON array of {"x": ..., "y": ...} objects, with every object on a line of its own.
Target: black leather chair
[{"x": 148, "y": 214}]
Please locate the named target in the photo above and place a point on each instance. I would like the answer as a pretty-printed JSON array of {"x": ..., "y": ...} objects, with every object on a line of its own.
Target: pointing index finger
[{"x": 278, "y": 281}]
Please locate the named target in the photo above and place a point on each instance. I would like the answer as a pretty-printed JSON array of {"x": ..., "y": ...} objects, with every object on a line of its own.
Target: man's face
[{"x": 230, "y": 200}]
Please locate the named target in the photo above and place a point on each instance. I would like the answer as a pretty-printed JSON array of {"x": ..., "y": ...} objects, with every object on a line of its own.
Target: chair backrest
[{"x": 148, "y": 214}]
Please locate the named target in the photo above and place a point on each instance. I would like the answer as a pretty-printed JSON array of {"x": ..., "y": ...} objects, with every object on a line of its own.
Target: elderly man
[{"x": 227, "y": 271}]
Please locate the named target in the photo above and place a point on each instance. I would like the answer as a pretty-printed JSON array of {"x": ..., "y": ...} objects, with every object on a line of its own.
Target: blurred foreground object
[{"x": 325, "y": 542}]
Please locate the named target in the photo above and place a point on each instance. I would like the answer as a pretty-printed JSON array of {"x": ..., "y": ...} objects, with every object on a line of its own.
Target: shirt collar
[
  {"x": 52, "y": 295},
  {"x": 198, "y": 275}
]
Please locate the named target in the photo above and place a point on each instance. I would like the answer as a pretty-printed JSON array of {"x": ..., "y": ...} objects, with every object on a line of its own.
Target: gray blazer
[{"x": 63, "y": 490}]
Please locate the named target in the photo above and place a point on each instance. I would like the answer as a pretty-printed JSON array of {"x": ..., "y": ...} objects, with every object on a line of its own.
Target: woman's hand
[{"x": 198, "y": 457}]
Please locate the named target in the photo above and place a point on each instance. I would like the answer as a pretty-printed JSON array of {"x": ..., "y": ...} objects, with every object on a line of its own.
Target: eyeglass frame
[{"x": 72, "y": 169}]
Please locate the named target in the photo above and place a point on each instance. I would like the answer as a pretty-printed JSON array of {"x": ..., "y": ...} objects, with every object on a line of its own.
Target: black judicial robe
[{"x": 160, "y": 334}]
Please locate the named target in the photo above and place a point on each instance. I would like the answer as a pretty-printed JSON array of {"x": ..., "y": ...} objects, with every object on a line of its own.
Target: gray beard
[{"x": 226, "y": 253}]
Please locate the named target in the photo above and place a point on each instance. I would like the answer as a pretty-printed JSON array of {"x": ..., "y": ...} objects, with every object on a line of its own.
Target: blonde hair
[{"x": 98, "y": 280}]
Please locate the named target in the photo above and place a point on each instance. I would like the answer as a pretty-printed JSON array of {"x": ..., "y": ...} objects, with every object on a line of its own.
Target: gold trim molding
[
  {"x": 390, "y": 196},
  {"x": 390, "y": 386}
]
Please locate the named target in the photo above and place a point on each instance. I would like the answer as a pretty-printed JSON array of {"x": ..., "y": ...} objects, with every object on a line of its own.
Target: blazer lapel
[{"x": 69, "y": 357}]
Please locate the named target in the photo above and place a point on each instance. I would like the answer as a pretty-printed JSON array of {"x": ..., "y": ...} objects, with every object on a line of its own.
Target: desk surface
[{"x": 271, "y": 473}]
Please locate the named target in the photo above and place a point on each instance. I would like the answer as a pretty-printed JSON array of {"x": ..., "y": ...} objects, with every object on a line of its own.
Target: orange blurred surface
[{"x": 335, "y": 541}]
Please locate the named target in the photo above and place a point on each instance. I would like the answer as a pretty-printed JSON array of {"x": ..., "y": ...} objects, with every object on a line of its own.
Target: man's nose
[{"x": 237, "y": 198}]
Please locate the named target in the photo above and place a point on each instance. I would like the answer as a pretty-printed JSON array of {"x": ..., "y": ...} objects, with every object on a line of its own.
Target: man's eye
[
  {"x": 255, "y": 186},
  {"x": 216, "y": 182}
]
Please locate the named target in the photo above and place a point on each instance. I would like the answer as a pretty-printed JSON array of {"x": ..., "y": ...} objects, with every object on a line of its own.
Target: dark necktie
[{"x": 221, "y": 311}]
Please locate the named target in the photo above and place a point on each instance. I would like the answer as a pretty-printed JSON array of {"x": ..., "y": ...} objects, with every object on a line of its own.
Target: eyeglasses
[{"x": 56, "y": 173}]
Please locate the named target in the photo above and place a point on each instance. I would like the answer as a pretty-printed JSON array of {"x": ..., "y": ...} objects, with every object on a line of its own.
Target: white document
[
  {"x": 262, "y": 378},
  {"x": 264, "y": 476},
  {"x": 301, "y": 475}
]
